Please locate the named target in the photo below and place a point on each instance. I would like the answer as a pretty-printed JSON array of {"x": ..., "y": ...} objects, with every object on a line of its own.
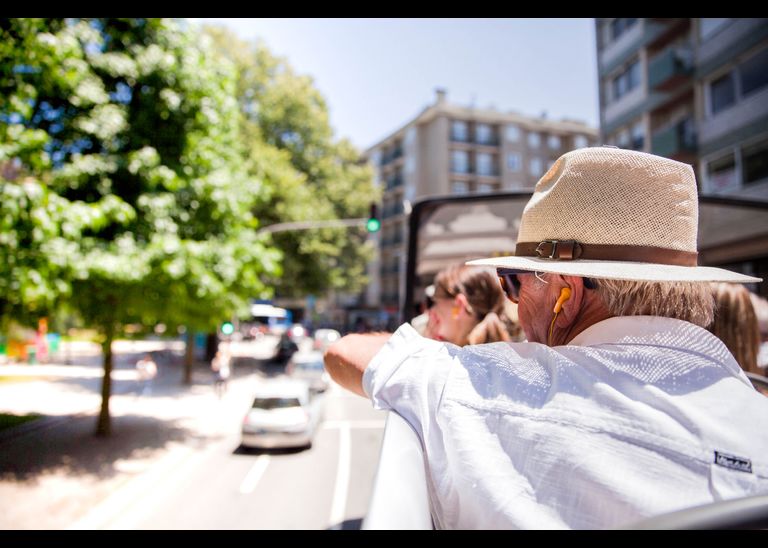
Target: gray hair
[{"x": 688, "y": 301}]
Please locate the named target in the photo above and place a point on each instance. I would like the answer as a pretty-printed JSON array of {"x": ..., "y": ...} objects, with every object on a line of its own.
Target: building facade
[
  {"x": 452, "y": 149},
  {"x": 695, "y": 90}
]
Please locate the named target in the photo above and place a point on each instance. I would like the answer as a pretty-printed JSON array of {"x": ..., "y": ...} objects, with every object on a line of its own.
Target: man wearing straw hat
[{"x": 620, "y": 406}]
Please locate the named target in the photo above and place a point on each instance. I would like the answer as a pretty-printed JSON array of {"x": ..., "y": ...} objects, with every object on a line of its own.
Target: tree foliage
[
  {"x": 128, "y": 195},
  {"x": 307, "y": 173}
]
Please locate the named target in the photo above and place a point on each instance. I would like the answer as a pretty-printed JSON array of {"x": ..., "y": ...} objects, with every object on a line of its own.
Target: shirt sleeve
[{"x": 408, "y": 376}]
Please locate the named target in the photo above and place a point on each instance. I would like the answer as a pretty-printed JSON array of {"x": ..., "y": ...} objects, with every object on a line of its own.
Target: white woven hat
[{"x": 604, "y": 212}]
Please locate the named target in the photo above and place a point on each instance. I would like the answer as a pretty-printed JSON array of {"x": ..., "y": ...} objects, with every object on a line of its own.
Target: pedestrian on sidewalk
[
  {"x": 146, "y": 369},
  {"x": 220, "y": 365}
]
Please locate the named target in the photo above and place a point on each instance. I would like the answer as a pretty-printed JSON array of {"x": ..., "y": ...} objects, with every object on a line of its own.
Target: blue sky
[{"x": 377, "y": 74}]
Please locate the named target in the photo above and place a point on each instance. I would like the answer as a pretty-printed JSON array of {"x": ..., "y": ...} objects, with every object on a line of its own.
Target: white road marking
[
  {"x": 342, "y": 477},
  {"x": 254, "y": 475}
]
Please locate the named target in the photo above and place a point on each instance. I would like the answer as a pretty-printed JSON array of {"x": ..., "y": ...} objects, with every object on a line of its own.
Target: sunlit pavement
[{"x": 54, "y": 471}]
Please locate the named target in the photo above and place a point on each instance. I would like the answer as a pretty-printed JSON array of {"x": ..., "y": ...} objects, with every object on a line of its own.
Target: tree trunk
[
  {"x": 103, "y": 424},
  {"x": 189, "y": 356}
]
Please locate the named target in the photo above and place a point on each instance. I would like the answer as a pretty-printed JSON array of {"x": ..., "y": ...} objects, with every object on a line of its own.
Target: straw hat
[{"x": 604, "y": 212}]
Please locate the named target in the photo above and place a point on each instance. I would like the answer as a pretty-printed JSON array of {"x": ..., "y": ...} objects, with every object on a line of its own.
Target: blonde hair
[
  {"x": 736, "y": 323},
  {"x": 688, "y": 301},
  {"x": 496, "y": 316}
]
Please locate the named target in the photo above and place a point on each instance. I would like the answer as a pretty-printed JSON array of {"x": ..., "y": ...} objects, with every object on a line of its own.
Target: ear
[
  {"x": 462, "y": 303},
  {"x": 572, "y": 306}
]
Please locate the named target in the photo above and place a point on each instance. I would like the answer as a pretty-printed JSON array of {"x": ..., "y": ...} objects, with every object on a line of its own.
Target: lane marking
[
  {"x": 254, "y": 474},
  {"x": 342, "y": 477}
]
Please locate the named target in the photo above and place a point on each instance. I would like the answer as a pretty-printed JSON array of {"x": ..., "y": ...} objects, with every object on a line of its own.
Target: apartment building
[
  {"x": 452, "y": 149},
  {"x": 695, "y": 90}
]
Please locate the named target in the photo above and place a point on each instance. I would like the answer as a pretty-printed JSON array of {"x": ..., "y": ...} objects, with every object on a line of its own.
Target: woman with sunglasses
[{"x": 469, "y": 307}]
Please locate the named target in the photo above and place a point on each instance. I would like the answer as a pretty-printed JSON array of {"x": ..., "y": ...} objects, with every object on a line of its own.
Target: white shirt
[{"x": 622, "y": 424}]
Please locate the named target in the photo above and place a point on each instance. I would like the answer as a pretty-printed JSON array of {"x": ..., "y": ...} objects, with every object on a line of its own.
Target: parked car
[
  {"x": 309, "y": 367},
  {"x": 282, "y": 415},
  {"x": 323, "y": 338}
]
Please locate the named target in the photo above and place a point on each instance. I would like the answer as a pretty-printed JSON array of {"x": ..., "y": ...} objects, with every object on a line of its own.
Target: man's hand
[{"x": 346, "y": 359}]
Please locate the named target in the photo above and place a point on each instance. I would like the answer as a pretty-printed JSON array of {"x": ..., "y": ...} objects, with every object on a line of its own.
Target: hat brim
[{"x": 618, "y": 270}]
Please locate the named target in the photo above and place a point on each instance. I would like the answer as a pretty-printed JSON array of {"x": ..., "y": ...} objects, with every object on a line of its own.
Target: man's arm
[{"x": 346, "y": 359}]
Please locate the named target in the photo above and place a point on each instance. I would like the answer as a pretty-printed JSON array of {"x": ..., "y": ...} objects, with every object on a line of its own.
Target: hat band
[{"x": 566, "y": 250}]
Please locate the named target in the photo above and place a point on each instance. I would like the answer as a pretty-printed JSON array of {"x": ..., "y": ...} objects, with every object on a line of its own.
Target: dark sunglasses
[{"x": 509, "y": 283}]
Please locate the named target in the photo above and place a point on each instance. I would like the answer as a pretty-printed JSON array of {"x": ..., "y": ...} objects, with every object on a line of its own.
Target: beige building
[
  {"x": 450, "y": 149},
  {"x": 695, "y": 90}
]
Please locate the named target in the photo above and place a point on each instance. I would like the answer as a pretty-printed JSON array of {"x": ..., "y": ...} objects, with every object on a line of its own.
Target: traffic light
[
  {"x": 227, "y": 328},
  {"x": 373, "y": 224}
]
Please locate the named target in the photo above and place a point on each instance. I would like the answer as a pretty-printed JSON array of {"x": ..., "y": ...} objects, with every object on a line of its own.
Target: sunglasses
[{"x": 509, "y": 283}]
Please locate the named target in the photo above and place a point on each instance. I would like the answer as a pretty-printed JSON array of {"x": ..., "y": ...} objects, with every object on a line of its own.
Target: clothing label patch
[{"x": 734, "y": 463}]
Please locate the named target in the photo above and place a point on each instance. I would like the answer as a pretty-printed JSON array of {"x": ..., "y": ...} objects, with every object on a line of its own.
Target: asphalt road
[{"x": 174, "y": 460}]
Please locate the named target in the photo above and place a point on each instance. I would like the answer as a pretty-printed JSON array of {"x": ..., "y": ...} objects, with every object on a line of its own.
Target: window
[
  {"x": 621, "y": 25},
  {"x": 622, "y": 139},
  {"x": 580, "y": 141},
  {"x": 753, "y": 73},
  {"x": 512, "y": 133},
  {"x": 710, "y": 25},
  {"x": 484, "y": 188},
  {"x": 513, "y": 161},
  {"x": 459, "y": 161},
  {"x": 754, "y": 159},
  {"x": 554, "y": 142},
  {"x": 534, "y": 140},
  {"x": 722, "y": 93},
  {"x": 484, "y": 134},
  {"x": 638, "y": 136},
  {"x": 484, "y": 164},
  {"x": 534, "y": 167},
  {"x": 722, "y": 173},
  {"x": 459, "y": 131},
  {"x": 459, "y": 187},
  {"x": 626, "y": 81}
]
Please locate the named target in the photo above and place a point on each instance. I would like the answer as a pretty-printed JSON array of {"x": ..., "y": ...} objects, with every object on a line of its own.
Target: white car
[
  {"x": 309, "y": 367},
  {"x": 282, "y": 415}
]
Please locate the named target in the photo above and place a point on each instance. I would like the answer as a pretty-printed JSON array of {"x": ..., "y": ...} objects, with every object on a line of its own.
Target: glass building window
[
  {"x": 534, "y": 140},
  {"x": 722, "y": 173},
  {"x": 484, "y": 134},
  {"x": 459, "y": 161},
  {"x": 580, "y": 141},
  {"x": 754, "y": 159},
  {"x": 512, "y": 133},
  {"x": 459, "y": 131},
  {"x": 753, "y": 73},
  {"x": 513, "y": 162},
  {"x": 534, "y": 167},
  {"x": 638, "y": 136},
  {"x": 554, "y": 142},
  {"x": 485, "y": 164},
  {"x": 722, "y": 93}
]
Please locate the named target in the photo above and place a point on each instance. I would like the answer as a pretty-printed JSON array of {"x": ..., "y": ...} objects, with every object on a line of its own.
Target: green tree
[
  {"x": 308, "y": 174},
  {"x": 139, "y": 137}
]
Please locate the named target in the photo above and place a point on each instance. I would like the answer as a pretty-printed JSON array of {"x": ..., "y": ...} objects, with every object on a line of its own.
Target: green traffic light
[
  {"x": 227, "y": 328},
  {"x": 373, "y": 225}
]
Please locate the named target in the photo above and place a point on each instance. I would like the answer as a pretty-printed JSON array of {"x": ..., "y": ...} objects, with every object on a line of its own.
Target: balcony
[
  {"x": 391, "y": 156},
  {"x": 670, "y": 69},
  {"x": 675, "y": 140},
  {"x": 394, "y": 182}
]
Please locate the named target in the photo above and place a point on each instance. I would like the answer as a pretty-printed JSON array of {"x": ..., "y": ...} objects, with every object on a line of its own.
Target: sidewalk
[{"x": 54, "y": 471}]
